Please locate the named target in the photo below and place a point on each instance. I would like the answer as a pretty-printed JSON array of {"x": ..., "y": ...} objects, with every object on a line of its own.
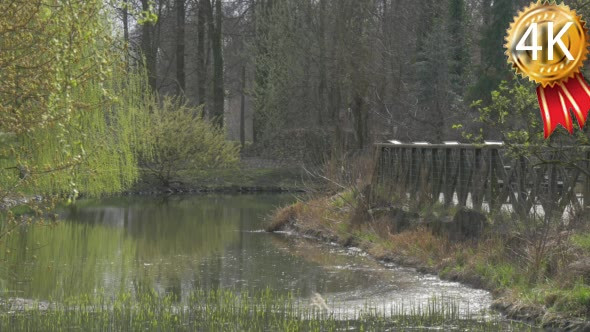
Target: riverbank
[
  {"x": 557, "y": 297},
  {"x": 253, "y": 175}
]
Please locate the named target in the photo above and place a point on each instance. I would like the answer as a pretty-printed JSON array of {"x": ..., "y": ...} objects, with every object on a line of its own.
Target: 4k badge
[{"x": 548, "y": 44}]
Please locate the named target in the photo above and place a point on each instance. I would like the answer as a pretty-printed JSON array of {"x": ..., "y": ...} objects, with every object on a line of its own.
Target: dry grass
[
  {"x": 282, "y": 218},
  {"x": 507, "y": 265},
  {"x": 421, "y": 244}
]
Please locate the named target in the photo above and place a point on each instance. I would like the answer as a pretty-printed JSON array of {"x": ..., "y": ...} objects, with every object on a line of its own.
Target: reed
[{"x": 230, "y": 310}]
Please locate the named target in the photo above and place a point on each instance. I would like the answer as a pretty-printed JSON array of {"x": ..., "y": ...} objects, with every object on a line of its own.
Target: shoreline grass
[{"x": 229, "y": 310}]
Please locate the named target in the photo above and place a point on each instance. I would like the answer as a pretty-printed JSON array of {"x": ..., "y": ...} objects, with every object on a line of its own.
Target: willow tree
[{"x": 69, "y": 111}]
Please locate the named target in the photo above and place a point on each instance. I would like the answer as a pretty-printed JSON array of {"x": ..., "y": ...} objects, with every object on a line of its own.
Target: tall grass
[{"x": 227, "y": 310}]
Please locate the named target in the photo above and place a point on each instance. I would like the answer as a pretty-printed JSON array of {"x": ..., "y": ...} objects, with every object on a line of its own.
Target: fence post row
[{"x": 479, "y": 177}]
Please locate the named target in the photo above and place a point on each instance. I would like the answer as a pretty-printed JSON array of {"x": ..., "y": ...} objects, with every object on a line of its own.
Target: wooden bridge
[{"x": 485, "y": 177}]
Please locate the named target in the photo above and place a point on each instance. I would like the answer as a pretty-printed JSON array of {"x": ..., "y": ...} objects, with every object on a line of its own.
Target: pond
[{"x": 176, "y": 245}]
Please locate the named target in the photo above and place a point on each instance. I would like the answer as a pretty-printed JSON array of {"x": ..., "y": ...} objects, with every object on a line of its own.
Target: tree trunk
[
  {"x": 360, "y": 118},
  {"x": 337, "y": 140},
  {"x": 126, "y": 31},
  {"x": 201, "y": 65},
  {"x": 335, "y": 90},
  {"x": 218, "y": 66},
  {"x": 215, "y": 33},
  {"x": 180, "y": 26},
  {"x": 359, "y": 63},
  {"x": 148, "y": 49},
  {"x": 322, "y": 84},
  {"x": 262, "y": 9},
  {"x": 243, "y": 109}
]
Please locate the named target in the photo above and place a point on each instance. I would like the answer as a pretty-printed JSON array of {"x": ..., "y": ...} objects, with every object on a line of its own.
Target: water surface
[{"x": 177, "y": 244}]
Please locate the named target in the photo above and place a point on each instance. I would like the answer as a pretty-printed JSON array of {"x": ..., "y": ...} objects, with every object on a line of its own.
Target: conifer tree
[{"x": 494, "y": 68}]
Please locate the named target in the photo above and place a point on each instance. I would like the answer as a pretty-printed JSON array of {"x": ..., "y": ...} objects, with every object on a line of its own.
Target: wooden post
[
  {"x": 393, "y": 164},
  {"x": 448, "y": 182},
  {"x": 414, "y": 174},
  {"x": 493, "y": 182},
  {"x": 435, "y": 177},
  {"x": 521, "y": 180},
  {"x": 462, "y": 180},
  {"x": 405, "y": 170},
  {"x": 377, "y": 170},
  {"x": 476, "y": 193},
  {"x": 422, "y": 183}
]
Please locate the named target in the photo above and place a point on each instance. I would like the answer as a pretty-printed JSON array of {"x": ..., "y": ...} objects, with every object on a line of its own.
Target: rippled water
[{"x": 177, "y": 244}]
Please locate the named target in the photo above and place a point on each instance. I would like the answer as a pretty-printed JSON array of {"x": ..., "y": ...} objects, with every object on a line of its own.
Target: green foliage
[
  {"x": 575, "y": 299},
  {"x": 582, "y": 241},
  {"x": 581, "y": 294},
  {"x": 92, "y": 152},
  {"x": 148, "y": 16},
  {"x": 513, "y": 112},
  {"x": 184, "y": 142},
  {"x": 50, "y": 50},
  {"x": 513, "y": 109},
  {"x": 71, "y": 113}
]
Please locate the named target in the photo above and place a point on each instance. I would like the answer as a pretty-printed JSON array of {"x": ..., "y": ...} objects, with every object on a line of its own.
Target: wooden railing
[{"x": 483, "y": 178}]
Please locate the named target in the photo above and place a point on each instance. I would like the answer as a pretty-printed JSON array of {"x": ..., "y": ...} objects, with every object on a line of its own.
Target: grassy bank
[
  {"x": 225, "y": 310},
  {"x": 539, "y": 283}
]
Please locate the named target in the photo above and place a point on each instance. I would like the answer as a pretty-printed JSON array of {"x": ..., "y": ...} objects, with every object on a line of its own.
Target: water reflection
[
  {"x": 178, "y": 244},
  {"x": 118, "y": 244}
]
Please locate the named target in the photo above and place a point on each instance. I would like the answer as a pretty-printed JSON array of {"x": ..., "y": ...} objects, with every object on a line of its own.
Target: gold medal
[
  {"x": 548, "y": 43},
  {"x": 553, "y": 43}
]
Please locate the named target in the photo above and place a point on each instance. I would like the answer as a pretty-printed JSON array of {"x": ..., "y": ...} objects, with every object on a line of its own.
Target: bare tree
[{"x": 180, "y": 28}]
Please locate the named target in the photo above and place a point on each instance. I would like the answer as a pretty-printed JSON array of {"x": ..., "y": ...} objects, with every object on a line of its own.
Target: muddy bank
[
  {"x": 247, "y": 179},
  {"x": 213, "y": 190},
  {"x": 299, "y": 220}
]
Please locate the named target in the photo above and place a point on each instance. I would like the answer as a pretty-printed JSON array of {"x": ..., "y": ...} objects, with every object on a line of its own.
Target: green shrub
[{"x": 184, "y": 143}]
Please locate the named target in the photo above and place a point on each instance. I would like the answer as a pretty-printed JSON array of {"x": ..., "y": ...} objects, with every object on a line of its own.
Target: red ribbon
[{"x": 557, "y": 101}]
